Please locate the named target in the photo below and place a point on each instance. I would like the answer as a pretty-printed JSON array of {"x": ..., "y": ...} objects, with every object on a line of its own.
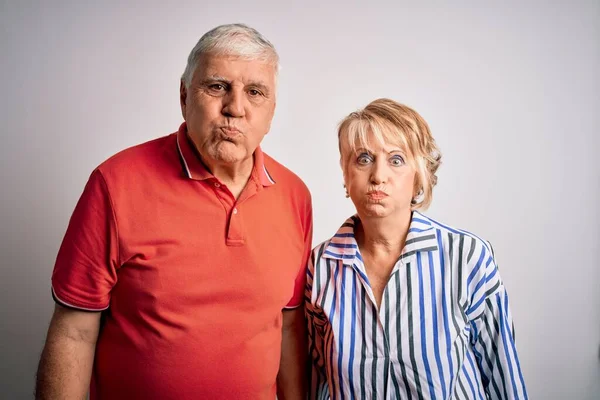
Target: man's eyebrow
[
  {"x": 215, "y": 78},
  {"x": 256, "y": 84}
]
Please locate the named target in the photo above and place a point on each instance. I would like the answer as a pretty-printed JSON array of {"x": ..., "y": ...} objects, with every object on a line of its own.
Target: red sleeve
[
  {"x": 86, "y": 265},
  {"x": 300, "y": 283}
]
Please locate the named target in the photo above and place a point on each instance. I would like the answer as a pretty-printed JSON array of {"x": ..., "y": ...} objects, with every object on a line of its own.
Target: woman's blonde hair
[{"x": 391, "y": 122}]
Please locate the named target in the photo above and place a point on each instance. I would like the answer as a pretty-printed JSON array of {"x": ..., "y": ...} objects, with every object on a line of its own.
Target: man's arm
[
  {"x": 65, "y": 367},
  {"x": 291, "y": 379}
]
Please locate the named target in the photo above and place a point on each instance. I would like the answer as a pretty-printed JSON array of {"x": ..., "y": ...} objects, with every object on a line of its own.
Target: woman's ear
[
  {"x": 417, "y": 190},
  {"x": 344, "y": 175}
]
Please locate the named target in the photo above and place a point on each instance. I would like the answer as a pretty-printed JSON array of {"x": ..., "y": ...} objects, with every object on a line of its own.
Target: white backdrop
[{"x": 511, "y": 92}]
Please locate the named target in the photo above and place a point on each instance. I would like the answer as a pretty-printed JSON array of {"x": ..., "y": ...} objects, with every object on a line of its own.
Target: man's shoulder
[
  {"x": 137, "y": 159},
  {"x": 284, "y": 176}
]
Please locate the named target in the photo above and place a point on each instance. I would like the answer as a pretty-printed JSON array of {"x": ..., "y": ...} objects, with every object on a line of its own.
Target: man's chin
[{"x": 229, "y": 157}]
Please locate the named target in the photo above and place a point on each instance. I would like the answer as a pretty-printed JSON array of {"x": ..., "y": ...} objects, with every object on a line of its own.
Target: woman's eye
[
  {"x": 397, "y": 161},
  {"x": 364, "y": 159}
]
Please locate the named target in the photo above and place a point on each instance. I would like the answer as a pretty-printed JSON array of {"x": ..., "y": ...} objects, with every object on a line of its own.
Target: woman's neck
[{"x": 383, "y": 237}]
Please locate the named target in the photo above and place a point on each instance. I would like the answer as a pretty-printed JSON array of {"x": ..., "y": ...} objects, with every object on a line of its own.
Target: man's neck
[{"x": 234, "y": 176}]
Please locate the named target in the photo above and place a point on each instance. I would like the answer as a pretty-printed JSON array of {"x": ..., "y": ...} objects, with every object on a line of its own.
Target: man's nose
[{"x": 233, "y": 103}]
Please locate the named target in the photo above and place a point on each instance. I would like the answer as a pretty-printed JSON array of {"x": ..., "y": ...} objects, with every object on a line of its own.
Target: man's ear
[{"x": 182, "y": 97}]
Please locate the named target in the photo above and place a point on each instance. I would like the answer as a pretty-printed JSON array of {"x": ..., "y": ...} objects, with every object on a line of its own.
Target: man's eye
[
  {"x": 254, "y": 92},
  {"x": 217, "y": 87}
]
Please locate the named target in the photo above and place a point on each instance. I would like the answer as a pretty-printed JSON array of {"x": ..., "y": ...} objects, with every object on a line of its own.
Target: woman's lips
[{"x": 377, "y": 195}]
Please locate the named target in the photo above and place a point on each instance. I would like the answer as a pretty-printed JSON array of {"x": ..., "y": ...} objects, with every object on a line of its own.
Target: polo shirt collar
[
  {"x": 194, "y": 168},
  {"x": 421, "y": 238}
]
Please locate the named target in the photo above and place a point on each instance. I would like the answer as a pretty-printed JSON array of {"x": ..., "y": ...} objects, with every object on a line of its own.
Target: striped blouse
[{"x": 443, "y": 331}]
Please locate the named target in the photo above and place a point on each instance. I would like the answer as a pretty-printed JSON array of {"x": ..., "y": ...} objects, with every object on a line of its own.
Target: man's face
[{"x": 228, "y": 107}]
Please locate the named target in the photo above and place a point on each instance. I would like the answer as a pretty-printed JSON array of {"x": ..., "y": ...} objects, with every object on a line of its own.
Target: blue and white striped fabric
[{"x": 443, "y": 331}]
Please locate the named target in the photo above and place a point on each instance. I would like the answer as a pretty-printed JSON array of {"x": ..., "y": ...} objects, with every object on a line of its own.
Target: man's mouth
[{"x": 230, "y": 131}]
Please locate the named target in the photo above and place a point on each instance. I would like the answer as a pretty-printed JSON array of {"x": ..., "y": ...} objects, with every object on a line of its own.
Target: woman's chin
[{"x": 375, "y": 210}]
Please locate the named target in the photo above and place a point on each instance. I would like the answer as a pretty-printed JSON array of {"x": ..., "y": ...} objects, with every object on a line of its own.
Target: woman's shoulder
[
  {"x": 449, "y": 234},
  {"x": 340, "y": 245}
]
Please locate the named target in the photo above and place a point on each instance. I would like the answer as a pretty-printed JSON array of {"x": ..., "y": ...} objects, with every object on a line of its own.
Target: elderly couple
[{"x": 186, "y": 271}]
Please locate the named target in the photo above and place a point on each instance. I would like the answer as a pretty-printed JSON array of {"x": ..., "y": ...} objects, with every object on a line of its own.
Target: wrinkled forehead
[
  {"x": 228, "y": 67},
  {"x": 362, "y": 134}
]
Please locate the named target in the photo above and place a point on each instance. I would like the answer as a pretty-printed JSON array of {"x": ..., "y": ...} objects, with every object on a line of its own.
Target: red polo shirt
[{"x": 193, "y": 282}]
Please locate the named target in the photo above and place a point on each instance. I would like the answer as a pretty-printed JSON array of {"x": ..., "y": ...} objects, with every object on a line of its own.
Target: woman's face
[{"x": 379, "y": 180}]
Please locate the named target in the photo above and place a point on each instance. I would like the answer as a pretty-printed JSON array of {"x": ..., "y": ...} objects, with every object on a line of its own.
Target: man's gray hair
[{"x": 238, "y": 40}]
